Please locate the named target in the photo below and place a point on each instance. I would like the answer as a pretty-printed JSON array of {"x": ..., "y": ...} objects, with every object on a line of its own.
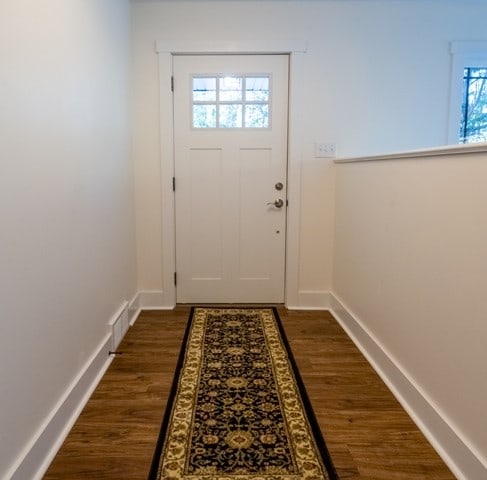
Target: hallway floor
[{"x": 368, "y": 434}]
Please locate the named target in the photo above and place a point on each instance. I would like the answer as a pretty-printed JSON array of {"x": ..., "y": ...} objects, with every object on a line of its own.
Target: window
[
  {"x": 231, "y": 101},
  {"x": 468, "y": 102},
  {"x": 473, "y": 124}
]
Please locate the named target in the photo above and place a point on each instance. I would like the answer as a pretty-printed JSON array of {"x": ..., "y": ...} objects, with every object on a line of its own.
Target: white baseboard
[
  {"x": 311, "y": 300},
  {"x": 42, "y": 449},
  {"x": 453, "y": 449},
  {"x": 156, "y": 300}
]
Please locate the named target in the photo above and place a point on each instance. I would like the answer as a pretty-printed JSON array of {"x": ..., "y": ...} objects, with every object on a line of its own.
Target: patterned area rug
[{"x": 237, "y": 409}]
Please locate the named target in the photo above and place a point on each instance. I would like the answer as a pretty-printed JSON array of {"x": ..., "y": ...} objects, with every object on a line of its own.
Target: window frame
[{"x": 464, "y": 54}]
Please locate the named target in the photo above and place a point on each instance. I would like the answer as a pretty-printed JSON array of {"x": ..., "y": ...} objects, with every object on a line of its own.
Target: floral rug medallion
[{"x": 238, "y": 410}]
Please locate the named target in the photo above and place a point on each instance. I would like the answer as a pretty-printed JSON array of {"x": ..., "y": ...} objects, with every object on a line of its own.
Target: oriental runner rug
[{"x": 238, "y": 409}]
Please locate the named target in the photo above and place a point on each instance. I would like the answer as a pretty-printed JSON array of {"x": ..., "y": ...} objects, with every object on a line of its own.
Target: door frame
[{"x": 296, "y": 51}]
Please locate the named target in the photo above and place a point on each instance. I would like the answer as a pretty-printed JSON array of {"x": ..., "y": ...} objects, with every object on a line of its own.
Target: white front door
[{"x": 230, "y": 136}]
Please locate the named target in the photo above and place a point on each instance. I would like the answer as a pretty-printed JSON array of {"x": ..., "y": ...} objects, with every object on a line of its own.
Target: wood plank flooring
[{"x": 367, "y": 432}]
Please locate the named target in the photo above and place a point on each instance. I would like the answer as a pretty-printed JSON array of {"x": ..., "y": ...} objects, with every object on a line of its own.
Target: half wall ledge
[{"x": 450, "y": 150}]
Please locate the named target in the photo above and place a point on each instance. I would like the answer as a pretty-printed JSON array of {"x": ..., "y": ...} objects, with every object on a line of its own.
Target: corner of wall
[
  {"x": 150, "y": 300},
  {"x": 311, "y": 300}
]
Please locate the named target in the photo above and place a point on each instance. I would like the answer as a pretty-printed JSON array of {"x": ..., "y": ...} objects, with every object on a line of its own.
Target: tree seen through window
[
  {"x": 235, "y": 101},
  {"x": 473, "y": 125}
]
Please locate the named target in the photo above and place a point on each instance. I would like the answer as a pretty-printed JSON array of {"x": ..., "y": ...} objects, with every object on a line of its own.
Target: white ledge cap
[{"x": 462, "y": 149}]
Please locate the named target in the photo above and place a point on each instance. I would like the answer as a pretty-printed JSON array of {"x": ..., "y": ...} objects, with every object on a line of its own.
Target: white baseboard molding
[
  {"x": 154, "y": 301},
  {"x": 453, "y": 449},
  {"x": 42, "y": 449},
  {"x": 158, "y": 300},
  {"x": 311, "y": 300}
]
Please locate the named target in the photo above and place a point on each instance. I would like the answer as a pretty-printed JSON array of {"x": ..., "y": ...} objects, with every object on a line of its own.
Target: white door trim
[{"x": 296, "y": 51}]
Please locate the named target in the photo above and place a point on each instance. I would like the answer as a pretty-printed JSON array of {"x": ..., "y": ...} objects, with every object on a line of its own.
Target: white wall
[
  {"x": 377, "y": 73},
  {"x": 67, "y": 243},
  {"x": 411, "y": 266}
]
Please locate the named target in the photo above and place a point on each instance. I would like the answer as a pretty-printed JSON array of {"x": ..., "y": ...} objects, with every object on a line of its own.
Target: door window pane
[
  {"x": 257, "y": 89},
  {"x": 204, "y": 116},
  {"x": 257, "y": 116},
  {"x": 222, "y": 101},
  {"x": 231, "y": 89},
  {"x": 231, "y": 116},
  {"x": 204, "y": 89}
]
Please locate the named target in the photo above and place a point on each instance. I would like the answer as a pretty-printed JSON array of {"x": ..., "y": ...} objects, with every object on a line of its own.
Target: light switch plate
[{"x": 325, "y": 150}]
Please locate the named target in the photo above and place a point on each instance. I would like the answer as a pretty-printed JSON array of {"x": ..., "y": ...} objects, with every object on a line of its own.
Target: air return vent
[{"x": 119, "y": 325}]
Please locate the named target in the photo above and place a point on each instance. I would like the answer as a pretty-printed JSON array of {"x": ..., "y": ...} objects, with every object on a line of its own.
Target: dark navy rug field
[{"x": 237, "y": 409}]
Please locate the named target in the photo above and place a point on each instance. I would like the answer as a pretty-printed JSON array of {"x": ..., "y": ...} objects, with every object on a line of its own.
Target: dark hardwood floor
[{"x": 368, "y": 434}]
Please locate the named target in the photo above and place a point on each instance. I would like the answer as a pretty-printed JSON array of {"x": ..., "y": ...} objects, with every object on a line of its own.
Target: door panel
[
  {"x": 230, "y": 151},
  {"x": 206, "y": 200}
]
